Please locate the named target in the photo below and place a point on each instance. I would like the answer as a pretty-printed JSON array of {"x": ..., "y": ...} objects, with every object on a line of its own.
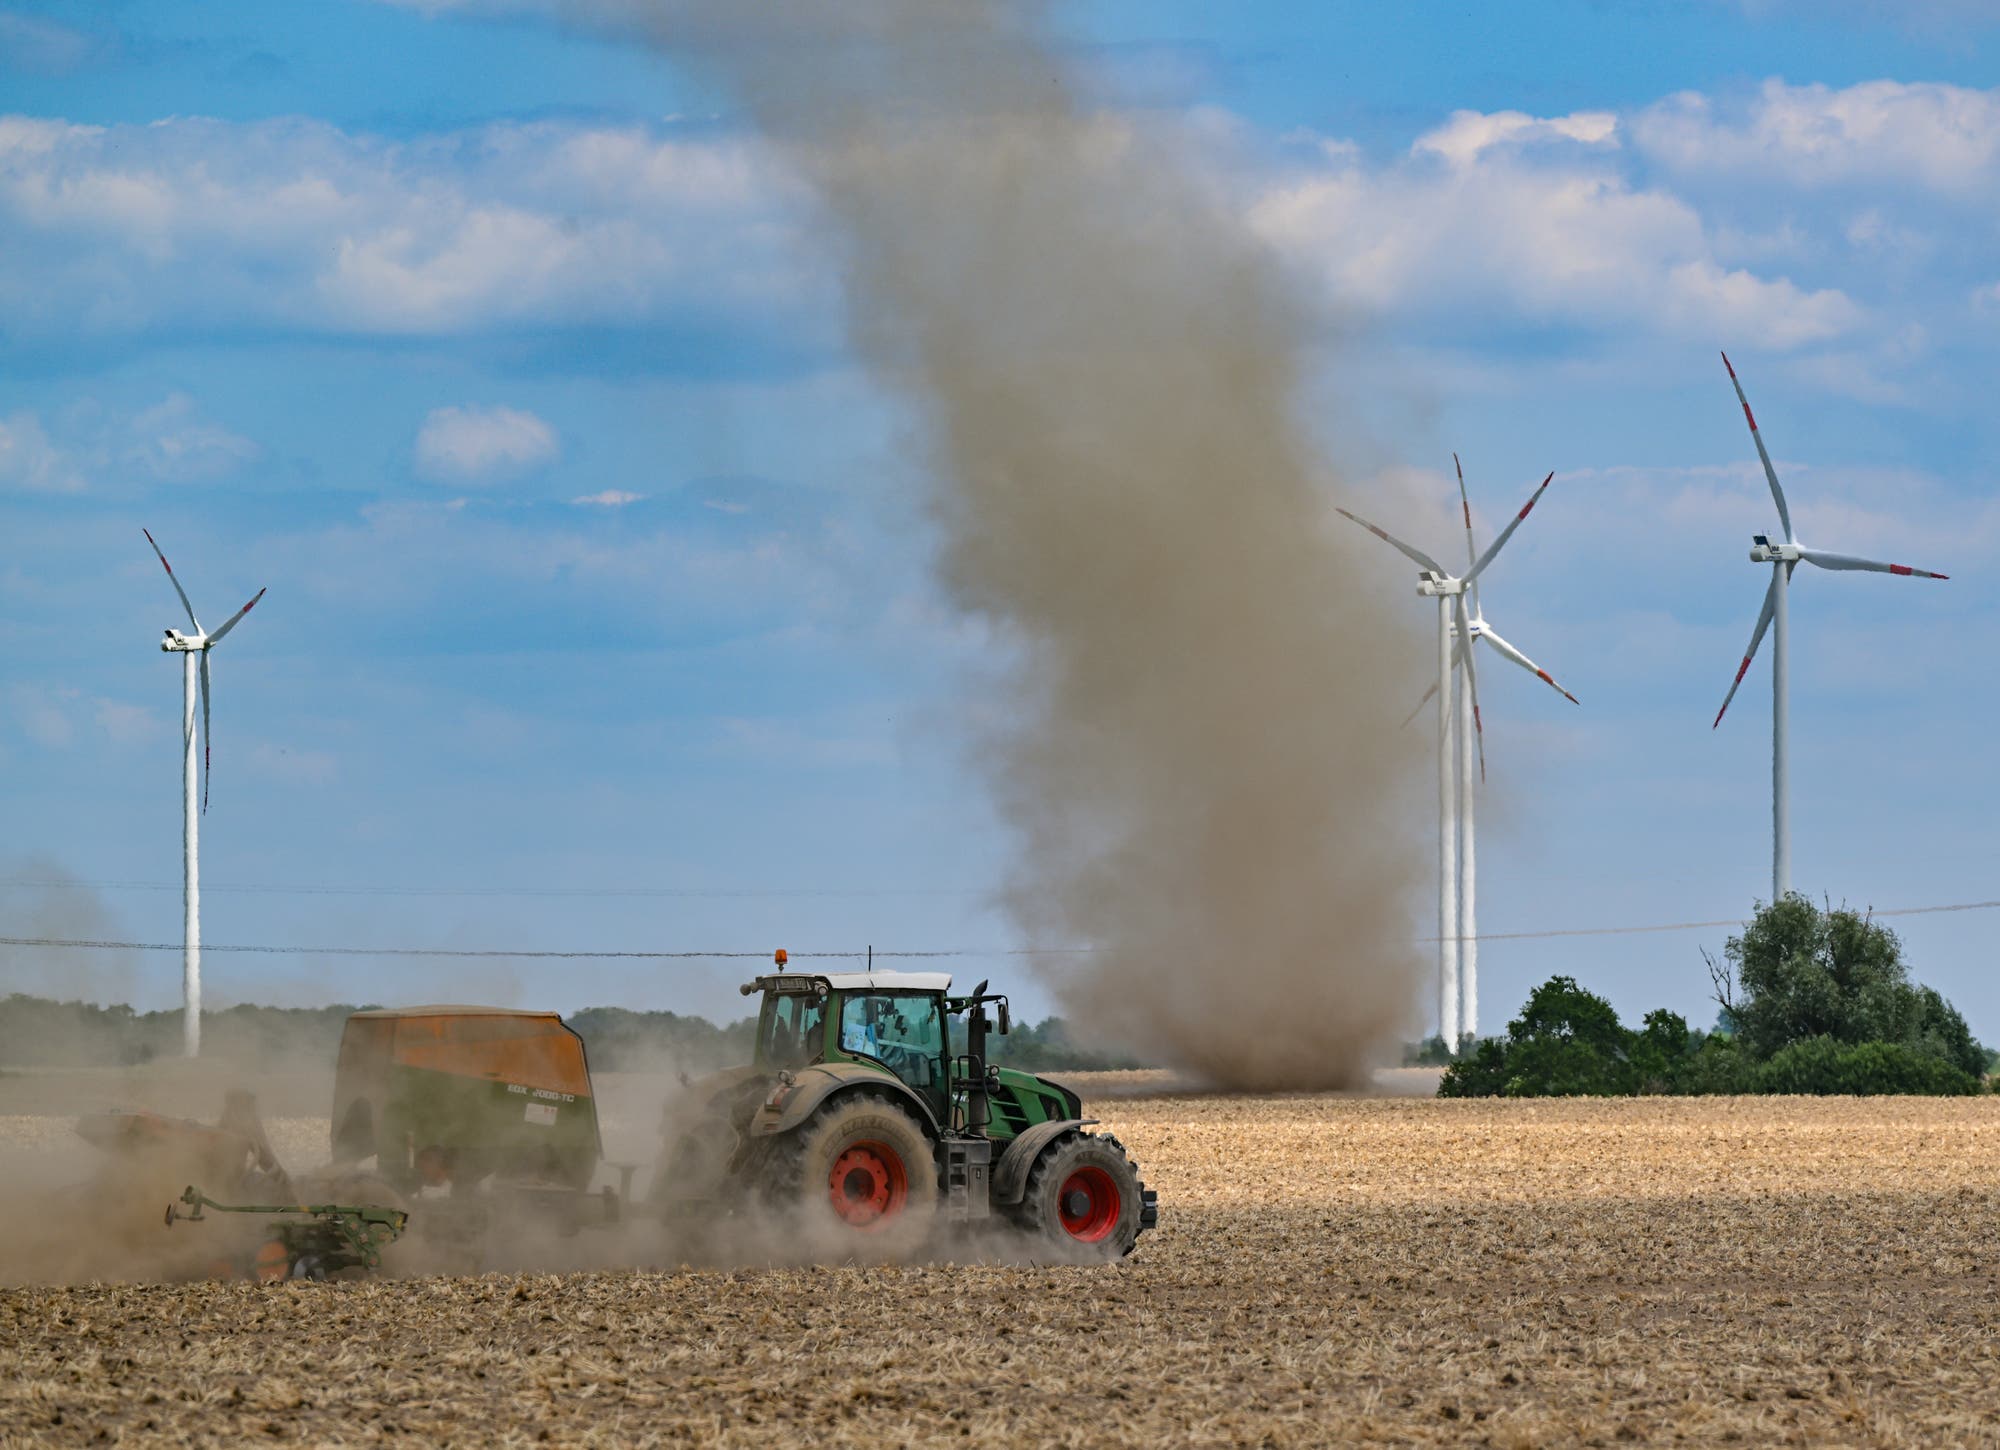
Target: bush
[
  {"x": 1719, "y": 1067},
  {"x": 1822, "y": 1066},
  {"x": 1566, "y": 1043}
]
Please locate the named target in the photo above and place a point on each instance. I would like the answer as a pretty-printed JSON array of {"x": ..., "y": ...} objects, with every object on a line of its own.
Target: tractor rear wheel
[
  {"x": 862, "y": 1169},
  {"x": 1084, "y": 1197}
]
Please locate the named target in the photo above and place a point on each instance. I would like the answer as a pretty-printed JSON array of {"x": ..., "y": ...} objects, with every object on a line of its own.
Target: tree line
[{"x": 1808, "y": 1001}]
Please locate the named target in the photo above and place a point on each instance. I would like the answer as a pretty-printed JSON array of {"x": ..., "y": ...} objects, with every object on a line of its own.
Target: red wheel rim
[
  {"x": 868, "y": 1185},
  {"x": 1089, "y": 1205}
]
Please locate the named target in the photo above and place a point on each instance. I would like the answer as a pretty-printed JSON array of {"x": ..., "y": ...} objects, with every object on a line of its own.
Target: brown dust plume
[{"x": 1199, "y": 750}]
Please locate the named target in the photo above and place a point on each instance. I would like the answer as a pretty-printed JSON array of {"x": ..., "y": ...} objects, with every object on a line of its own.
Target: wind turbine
[
  {"x": 1458, "y": 630},
  {"x": 192, "y": 648},
  {"x": 1783, "y": 558}
]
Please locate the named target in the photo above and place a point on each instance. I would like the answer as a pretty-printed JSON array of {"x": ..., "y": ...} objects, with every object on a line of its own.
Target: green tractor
[
  {"x": 868, "y": 1118},
  {"x": 861, "y": 1112}
]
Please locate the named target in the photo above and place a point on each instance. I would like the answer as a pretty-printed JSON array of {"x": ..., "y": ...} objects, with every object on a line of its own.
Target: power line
[
  {"x": 485, "y": 952},
  {"x": 80, "y": 943},
  {"x": 1734, "y": 921},
  {"x": 692, "y": 892}
]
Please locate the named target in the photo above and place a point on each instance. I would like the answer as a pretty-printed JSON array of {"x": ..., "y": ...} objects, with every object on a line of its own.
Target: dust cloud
[
  {"x": 1200, "y": 758},
  {"x": 43, "y": 899}
]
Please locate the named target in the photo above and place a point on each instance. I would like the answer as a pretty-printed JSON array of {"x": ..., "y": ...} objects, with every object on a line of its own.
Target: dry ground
[{"x": 1327, "y": 1270}]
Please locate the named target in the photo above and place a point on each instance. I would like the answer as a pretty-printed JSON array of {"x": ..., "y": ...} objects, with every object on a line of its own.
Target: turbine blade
[
  {"x": 1395, "y": 543},
  {"x": 204, "y": 732},
  {"x": 1487, "y": 634},
  {"x": 1849, "y": 561},
  {"x": 1471, "y": 680},
  {"x": 1508, "y": 532},
  {"x": 1777, "y": 493},
  {"x": 230, "y": 624},
  {"x": 173, "y": 581},
  {"x": 1471, "y": 554},
  {"x": 1428, "y": 696},
  {"x": 1756, "y": 638}
]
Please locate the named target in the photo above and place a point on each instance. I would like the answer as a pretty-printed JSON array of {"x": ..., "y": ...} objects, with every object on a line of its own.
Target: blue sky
[{"x": 512, "y": 364}]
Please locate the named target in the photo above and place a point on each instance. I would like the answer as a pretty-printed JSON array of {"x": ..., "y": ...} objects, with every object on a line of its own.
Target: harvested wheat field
[{"x": 1326, "y": 1269}]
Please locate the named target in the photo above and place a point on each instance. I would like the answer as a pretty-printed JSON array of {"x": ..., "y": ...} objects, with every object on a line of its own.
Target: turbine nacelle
[
  {"x": 1433, "y": 585},
  {"x": 1763, "y": 551},
  {"x": 177, "y": 643}
]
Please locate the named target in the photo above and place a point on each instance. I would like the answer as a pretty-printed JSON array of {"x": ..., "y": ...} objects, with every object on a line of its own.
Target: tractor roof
[
  {"x": 889, "y": 981},
  {"x": 866, "y": 981}
]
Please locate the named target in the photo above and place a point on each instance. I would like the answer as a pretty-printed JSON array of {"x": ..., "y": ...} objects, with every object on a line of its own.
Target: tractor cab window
[
  {"x": 793, "y": 1030},
  {"x": 905, "y": 1033}
]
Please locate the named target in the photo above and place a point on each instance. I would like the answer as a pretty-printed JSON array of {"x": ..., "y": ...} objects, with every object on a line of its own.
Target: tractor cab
[{"x": 893, "y": 1021}]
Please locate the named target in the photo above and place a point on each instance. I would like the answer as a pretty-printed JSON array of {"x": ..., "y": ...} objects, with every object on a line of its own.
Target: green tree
[
  {"x": 1804, "y": 973},
  {"x": 1566, "y": 1043},
  {"x": 1660, "y": 1050}
]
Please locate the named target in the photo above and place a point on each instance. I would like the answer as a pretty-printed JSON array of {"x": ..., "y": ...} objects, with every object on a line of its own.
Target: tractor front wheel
[
  {"x": 1084, "y": 1197},
  {"x": 861, "y": 1169}
]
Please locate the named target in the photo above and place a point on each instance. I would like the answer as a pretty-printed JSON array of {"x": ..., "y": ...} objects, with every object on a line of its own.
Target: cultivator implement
[{"x": 307, "y": 1241}]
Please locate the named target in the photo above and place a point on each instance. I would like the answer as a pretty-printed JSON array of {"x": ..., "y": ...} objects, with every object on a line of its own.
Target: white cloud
[
  {"x": 611, "y": 498},
  {"x": 1939, "y": 137},
  {"x": 1468, "y": 134},
  {"x": 1690, "y": 218},
  {"x": 28, "y": 460},
  {"x": 295, "y": 223},
  {"x": 170, "y": 441},
  {"x": 471, "y": 444},
  {"x": 1548, "y": 242},
  {"x": 173, "y": 442}
]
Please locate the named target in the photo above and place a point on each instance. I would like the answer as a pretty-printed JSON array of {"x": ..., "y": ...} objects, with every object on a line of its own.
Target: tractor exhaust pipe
[
  {"x": 978, "y": 1102},
  {"x": 979, "y": 1081}
]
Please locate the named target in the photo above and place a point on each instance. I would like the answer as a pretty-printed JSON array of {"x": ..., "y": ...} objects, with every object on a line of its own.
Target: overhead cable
[{"x": 95, "y": 944}]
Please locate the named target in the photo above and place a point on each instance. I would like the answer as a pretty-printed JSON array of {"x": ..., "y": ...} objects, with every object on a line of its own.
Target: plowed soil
[{"x": 1326, "y": 1270}]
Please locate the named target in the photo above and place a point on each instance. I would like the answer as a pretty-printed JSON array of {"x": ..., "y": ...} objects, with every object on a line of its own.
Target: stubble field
[{"x": 1326, "y": 1269}]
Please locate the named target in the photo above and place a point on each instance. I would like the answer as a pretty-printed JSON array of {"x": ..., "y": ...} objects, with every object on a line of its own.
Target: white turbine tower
[
  {"x": 193, "y": 650},
  {"x": 1783, "y": 558},
  {"x": 1458, "y": 629}
]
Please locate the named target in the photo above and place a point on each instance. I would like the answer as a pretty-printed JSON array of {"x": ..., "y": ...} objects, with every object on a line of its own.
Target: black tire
[
  {"x": 860, "y": 1169},
  {"x": 1084, "y": 1199}
]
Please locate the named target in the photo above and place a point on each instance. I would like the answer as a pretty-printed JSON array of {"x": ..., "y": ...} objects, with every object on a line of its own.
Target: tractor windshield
[
  {"x": 792, "y": 1032},
  {"x": 905, "y": 1033}
]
